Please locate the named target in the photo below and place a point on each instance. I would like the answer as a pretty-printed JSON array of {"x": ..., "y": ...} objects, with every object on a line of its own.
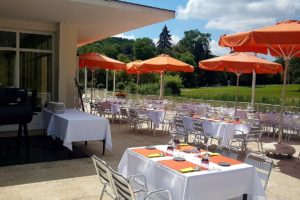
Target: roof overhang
[{"x": 95, "y": 19}]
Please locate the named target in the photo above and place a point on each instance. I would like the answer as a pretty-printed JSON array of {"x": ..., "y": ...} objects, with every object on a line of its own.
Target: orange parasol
[
  {"x": 161, "y": 64},
  {"x": 95, "y": 61},
  {"x": 281, "y": 39},
  {"x": 240, "y": 63}
]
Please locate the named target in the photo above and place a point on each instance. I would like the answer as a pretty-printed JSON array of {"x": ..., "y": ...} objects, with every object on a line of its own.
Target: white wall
[{"x": 67, "y": 63}]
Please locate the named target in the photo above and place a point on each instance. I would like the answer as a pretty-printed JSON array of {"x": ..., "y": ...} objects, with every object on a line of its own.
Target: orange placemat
[
  {"x": 185, "y": 147},
  {"x": 146, "y": 152},
  {"x": 233, "y": 121},
  {"x": 175, "y": 165},
  {"x": 220, "y": 158}
]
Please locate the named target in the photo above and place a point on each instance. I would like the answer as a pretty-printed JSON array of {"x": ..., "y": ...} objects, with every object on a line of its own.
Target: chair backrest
[
  {"x": 179, "y": 126},
  {"x": 102, "y": 170},
  {"x": 132, "y": 114},
  {"x": 228, "y": 151},
  {"x": 255, "y": 131},
  {"x": 123, "y": 111},
  {"x": 263, "y": 166},
  {"x": 198, "y": 127},
  {"x": 122, "y": 186}
]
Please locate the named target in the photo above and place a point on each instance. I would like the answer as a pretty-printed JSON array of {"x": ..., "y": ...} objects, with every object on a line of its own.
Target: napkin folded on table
[
  {"x": 153, "y": 155},
  {"x": 188, "y": 169}
]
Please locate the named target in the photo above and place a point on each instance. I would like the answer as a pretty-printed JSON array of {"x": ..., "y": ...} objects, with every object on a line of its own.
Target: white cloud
[
  {"x": 122, "y": 35},
  {"x": 217, "y": 50},
  {"x": 239, "y": 15},
  {"x": 155, "y": 40},
  {"x": 175, "y": 39}
]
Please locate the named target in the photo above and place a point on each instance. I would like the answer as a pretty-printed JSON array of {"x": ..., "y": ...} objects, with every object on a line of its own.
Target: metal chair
[
  {"x": 179, "y": 131},
  {"x": 263, "y": 166},
  {"x": 104, "y": 175},
  {"x": 135, "y": 120},
  {"x": 124, "y": 189},
  {"x": 198, "y": 132},
  {"x": 228, "y": 151},
  {"x": 254, "y": 135},
  {"x": 124, "y": 116}
]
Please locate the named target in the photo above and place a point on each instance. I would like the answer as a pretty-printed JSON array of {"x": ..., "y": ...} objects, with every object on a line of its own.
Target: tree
[
  {"x": 164, "y": 44},
  {"x": 144, "y": 48}
]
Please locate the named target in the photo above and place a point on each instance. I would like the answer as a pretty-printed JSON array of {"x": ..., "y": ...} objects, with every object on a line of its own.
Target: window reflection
[
  {"x": 35, "y": 41},
  {"x": 36, "y": 74},
  {"x": 7, "y": 68},
  {"x": 7, "y": 39}
]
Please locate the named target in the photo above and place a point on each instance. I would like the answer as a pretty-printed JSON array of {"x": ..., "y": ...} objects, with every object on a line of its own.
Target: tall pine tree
[{"x": 164, "y": 43}]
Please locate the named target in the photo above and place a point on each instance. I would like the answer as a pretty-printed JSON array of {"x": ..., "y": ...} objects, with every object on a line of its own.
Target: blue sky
[{"x": 216, "y": 17}]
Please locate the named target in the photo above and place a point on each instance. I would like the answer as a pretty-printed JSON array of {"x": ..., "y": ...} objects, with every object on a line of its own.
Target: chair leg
[{"x": 102, "y": 192}]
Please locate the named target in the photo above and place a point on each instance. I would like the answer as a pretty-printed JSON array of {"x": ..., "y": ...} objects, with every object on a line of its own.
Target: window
[
  {"x": 27, "y": 63},
  {"x": 8, "y": 39}
]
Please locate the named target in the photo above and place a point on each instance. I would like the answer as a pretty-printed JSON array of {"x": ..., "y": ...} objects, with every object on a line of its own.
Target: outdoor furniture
[
  {"x": 218, "y": 183},
  {"x": 104, "y": 109},
  {"x": 93, "y": 108},
  {"x": 198, "y": 132},
  {"x": 124, "y": 190},
  {"x": 228, "y": 151},
  {"x": 76, "y": 126},
  {"x": 179, "y": 130},
  {"x": 136, "y": 120},
  {"x": 104, "y": 176},
  {"x": 263, "y": 166},
  {"x": 244, "y": 138},
  {"x": 123, "y": 114}
]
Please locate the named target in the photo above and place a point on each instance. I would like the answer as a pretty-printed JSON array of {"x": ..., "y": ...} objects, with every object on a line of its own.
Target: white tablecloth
[
  {"x": 75, "y": 126},
  {"x": 156, "y": 116},
  {"x": 218, "y": 183},
  {"x": 218, "y": 129}
]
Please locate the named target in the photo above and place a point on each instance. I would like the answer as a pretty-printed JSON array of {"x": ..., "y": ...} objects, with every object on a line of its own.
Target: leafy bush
[
  {"x": 174, "y": 83},
  {"x": 149, "y": 89},
  {"x": 120, "y": 86},
  {"x": 131, "y": 87}
]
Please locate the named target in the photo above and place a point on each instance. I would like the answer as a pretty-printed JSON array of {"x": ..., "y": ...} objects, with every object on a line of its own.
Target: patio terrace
[{"x": 76, "y": 178}]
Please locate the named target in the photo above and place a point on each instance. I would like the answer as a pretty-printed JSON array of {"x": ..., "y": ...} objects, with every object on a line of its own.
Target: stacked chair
[{"x": 131, "y": 188}]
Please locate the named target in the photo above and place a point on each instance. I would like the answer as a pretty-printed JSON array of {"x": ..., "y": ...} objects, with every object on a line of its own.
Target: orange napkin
[
  {"x": 146, "y": 152},
  {"x": 175, "y": 165},
  {"x": 220, "y": 158}
]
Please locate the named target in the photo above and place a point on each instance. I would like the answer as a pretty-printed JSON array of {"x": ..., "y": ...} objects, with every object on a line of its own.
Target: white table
[
  {"x": 219, "y": 129},
  {"x": 218, "y": 183},
  {"x": 74, "y": 126}
]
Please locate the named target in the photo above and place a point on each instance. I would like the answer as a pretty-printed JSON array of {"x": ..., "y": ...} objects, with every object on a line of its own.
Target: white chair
[
  {"x": 254, "y": 135},
  {"x": 263, "y": 166},
  {"x": 104, "y": 176},
  {"x": 124, "y": 190}
]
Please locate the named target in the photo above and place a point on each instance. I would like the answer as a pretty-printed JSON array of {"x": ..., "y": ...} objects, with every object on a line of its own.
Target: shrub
[
  {"x": 131, "y": 87},
  {"x": 149, "y": 89},
  {"x": 120, "y": 86},
  {"x": 174, "y": 83}
]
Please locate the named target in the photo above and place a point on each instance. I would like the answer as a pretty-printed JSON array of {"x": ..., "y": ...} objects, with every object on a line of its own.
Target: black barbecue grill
[{"x": 16, "y": 109}]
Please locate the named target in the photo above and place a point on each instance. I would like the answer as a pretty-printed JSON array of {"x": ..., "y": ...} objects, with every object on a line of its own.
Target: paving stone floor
[{"x": 76, "y": 178}]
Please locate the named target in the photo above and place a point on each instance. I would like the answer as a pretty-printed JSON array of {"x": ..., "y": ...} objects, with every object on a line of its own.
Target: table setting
[{"x": 197, "y": 174}]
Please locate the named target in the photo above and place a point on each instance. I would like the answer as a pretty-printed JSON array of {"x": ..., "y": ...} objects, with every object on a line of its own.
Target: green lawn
[{"x": 264, "y": 94}]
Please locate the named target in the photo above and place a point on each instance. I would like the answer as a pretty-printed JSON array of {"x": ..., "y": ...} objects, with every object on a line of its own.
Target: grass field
[{"x": 264, "y": 94}]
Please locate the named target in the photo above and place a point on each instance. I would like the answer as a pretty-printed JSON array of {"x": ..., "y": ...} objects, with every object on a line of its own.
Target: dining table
[
  {"x": 222, "y": 129},
  {"x": 76, "y": 126},
  {"x": 187, "y": 178}
]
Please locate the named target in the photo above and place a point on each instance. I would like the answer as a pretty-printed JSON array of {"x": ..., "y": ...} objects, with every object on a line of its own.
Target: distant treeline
[{"x": 192, "y": 48}]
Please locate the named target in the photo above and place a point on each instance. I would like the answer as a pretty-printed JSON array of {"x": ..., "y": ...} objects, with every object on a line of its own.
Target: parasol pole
[
  {"x": 85, "y": 81},
  {"x": 137, "y": 82},
  {"x": 161, "y": 85},
  {"x": 286, "y": 66},
  {"x": 114, "y": 81},
  {"x": 253, "y": 89},
  {"x": 237, "y": 91},
  {"x": 106, "y": 80},
  {"x": 93, "y": 71}
]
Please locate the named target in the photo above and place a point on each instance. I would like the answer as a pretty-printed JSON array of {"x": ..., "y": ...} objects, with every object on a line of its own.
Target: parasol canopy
[
  {"x": 280, "y": 40},
  {"x": 161, "y": 64},
  {"x": 240, "y": 63},
  {"x": 95, "y": 61}
]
